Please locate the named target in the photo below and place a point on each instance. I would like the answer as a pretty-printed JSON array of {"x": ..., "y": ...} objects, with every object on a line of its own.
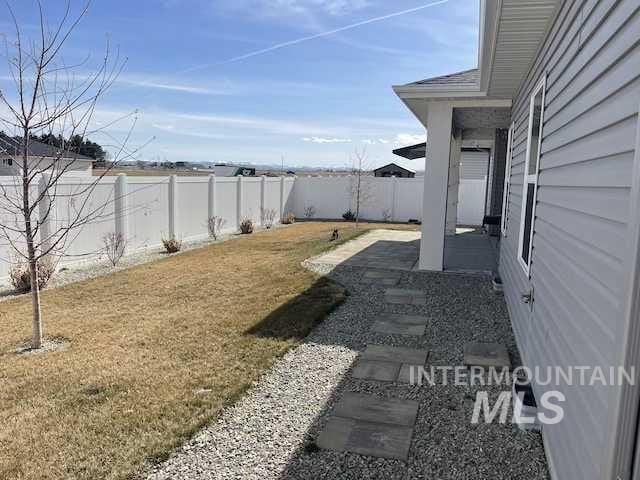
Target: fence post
[
  {"x": 263, "y": 198},
  {"x": 212, "y": 197},
  {"x": 44, "y": 213},
  {"x": 173, "y": 204},
  {"x": 394, "y": 194},
  {"x": 239, "y": 212},
  {"x": 281, "y": 198},
  {"x": 120, "y": 207}
]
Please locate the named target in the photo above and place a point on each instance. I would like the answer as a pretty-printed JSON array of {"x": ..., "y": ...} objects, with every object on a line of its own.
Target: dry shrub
[
  {"x": 172, "y": 245},
  {"x": 310, "y": 211},
  {"x": 114, "y": 245},
  {"x": 215, "y": 225},
  {"x": 288, "y": 219},
  {"x": 246, "y": 226},
  {"x": 268, "y": 217},
  {"x": 21, "y": 277}
]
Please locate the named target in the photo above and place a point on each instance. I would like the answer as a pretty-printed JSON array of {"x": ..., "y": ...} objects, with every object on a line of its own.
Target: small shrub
[
  {"x": 310, "y": 211},
  {"x": 172, "y": 245},
  {"x": 288, "y": 219},
  {"x": 386, "y": 215},
  {"x": 214, "y": 226},
  {"x": 246, "y": 226},
  {"x": 349, "y": 216},
  {"x": 21, "y": 277},
  {"x": 114, "y": 245},
  {"x": 267, "y": 217}
]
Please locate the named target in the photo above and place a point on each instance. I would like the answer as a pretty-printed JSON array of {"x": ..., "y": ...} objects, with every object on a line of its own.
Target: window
[
  {"x": 532, "y": 168},
  {"x": 507, "y": 182}
]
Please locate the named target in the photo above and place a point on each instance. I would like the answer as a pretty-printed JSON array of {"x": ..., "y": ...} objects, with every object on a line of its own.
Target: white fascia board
[{"x": 489, "y": 16}]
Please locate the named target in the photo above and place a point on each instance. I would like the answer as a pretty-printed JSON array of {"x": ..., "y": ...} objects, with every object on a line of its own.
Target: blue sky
[{"x": 313, "y": 102}]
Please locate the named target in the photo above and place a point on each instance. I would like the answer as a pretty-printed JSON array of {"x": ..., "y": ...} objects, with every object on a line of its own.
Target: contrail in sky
[{"x": 313, "y": 37}]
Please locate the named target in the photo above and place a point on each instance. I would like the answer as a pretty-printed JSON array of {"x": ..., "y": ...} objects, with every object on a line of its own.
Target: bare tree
[
  {"x": 359, "y": 188},
  {"x": 50, "y": 97}
]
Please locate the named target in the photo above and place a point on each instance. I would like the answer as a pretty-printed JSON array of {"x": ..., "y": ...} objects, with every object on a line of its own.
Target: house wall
[
  {"x": 591, "y": 56},
  {"x": 74, "y": 167}
]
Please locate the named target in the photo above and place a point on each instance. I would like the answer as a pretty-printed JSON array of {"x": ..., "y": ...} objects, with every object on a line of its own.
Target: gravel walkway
[{"x": 269, "y": 433}]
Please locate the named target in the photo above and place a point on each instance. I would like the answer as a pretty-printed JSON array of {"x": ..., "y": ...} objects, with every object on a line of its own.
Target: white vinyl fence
[
  {"x": 382, "y": 198},
  {"x": 471, "y": 201},
  {"x": 147, "y": 209}
]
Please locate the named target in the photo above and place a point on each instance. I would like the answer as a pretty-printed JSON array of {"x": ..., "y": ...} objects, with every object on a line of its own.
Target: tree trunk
[
  {"x": 35, "y": 301},
  {"x": 31, "y": 252}
]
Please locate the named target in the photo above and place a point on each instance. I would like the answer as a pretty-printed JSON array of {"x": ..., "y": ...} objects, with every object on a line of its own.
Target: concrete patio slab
[
  {"x": 410, "y": 374},
  {"x": 393, "y": 328},
  {"x": 380, "y": 440},
  {"x": 385, "y": 249},
  {"x": 366, "y": 438},
  {"x": 385, "y": 282},
  {"x": 386, "y": 353},
  {"x": 405, "y": 297},
  {"x": 335, "y": 434},
  {"x": 381, "y": 274},
  {"x": 369, "y": 408},
  {"x": 376, "y": 370},
  {"x": 486, "y": 355},
  {"x": 403, "y": 319}
]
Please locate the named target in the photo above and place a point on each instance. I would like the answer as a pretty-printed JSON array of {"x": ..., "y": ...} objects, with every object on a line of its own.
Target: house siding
[{"x": 591, "y": 56}]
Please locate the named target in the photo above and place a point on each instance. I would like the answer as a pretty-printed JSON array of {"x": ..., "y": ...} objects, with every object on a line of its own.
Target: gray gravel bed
[{"x": 269, "y": 433}]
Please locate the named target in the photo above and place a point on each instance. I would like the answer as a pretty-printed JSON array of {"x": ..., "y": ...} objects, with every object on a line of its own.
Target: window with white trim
[
  {"x": 507, "y": 183},
  {"x": 531, "y": 171}
]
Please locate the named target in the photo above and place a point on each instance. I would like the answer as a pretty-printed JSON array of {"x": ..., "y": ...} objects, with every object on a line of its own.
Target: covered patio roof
[
  {"x": 510, "y": 35},
  {"x": 412, "y": 152}
]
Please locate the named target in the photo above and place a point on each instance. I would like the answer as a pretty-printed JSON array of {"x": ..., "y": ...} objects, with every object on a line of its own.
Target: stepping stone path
[
  {"x": 370, "y": 425},
  {"x": 367, "y": 424},
  {"x": 400, "y": 325},
  {"x": 486, "y": 355},
  {"x": 389, "y": 364},
  {"x": 405, "y": 297},
  {"x": 378, "y": 277}
]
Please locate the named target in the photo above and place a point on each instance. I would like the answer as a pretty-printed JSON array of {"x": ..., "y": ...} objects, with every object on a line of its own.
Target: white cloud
[
  {"x": 368, "y": 141},
  {"x": 326, "y": 140},
  {"x": 404, "y": 139},
  {"x": 280, "y": 8},
  {"x": 383, "y": 141},
  {"x": 175, "y": 87}
]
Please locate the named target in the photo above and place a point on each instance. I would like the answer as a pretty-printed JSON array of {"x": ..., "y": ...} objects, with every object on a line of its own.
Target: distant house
[
  {"x": 225, "y": 170},
  {"x": 394, "y": 170},
  {"x": 41, "y": 157}
]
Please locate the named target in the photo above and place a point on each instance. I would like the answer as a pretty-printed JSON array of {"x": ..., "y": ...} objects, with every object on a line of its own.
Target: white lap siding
[{"x": 592, "y": 60}]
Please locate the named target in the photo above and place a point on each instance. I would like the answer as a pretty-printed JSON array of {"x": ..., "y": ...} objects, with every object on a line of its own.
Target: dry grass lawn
[{"x": 143, "y": 342}]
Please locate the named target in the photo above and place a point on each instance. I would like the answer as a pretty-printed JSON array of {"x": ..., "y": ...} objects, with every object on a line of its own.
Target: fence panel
[{"x": 192, "y": 207}]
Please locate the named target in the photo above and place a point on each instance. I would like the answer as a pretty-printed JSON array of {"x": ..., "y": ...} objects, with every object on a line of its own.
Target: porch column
[
  {"x": 454, "y": 183},
  {"x": 436, "y": 180}
]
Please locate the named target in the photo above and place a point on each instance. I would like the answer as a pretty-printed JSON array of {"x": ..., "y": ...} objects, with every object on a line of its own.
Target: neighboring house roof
[
  {"x": 13, "y": 147},
  {"x": 395, "y": 165},
  {"x": 412, "y": 152},
  {"x": 466, "y": 77}
]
